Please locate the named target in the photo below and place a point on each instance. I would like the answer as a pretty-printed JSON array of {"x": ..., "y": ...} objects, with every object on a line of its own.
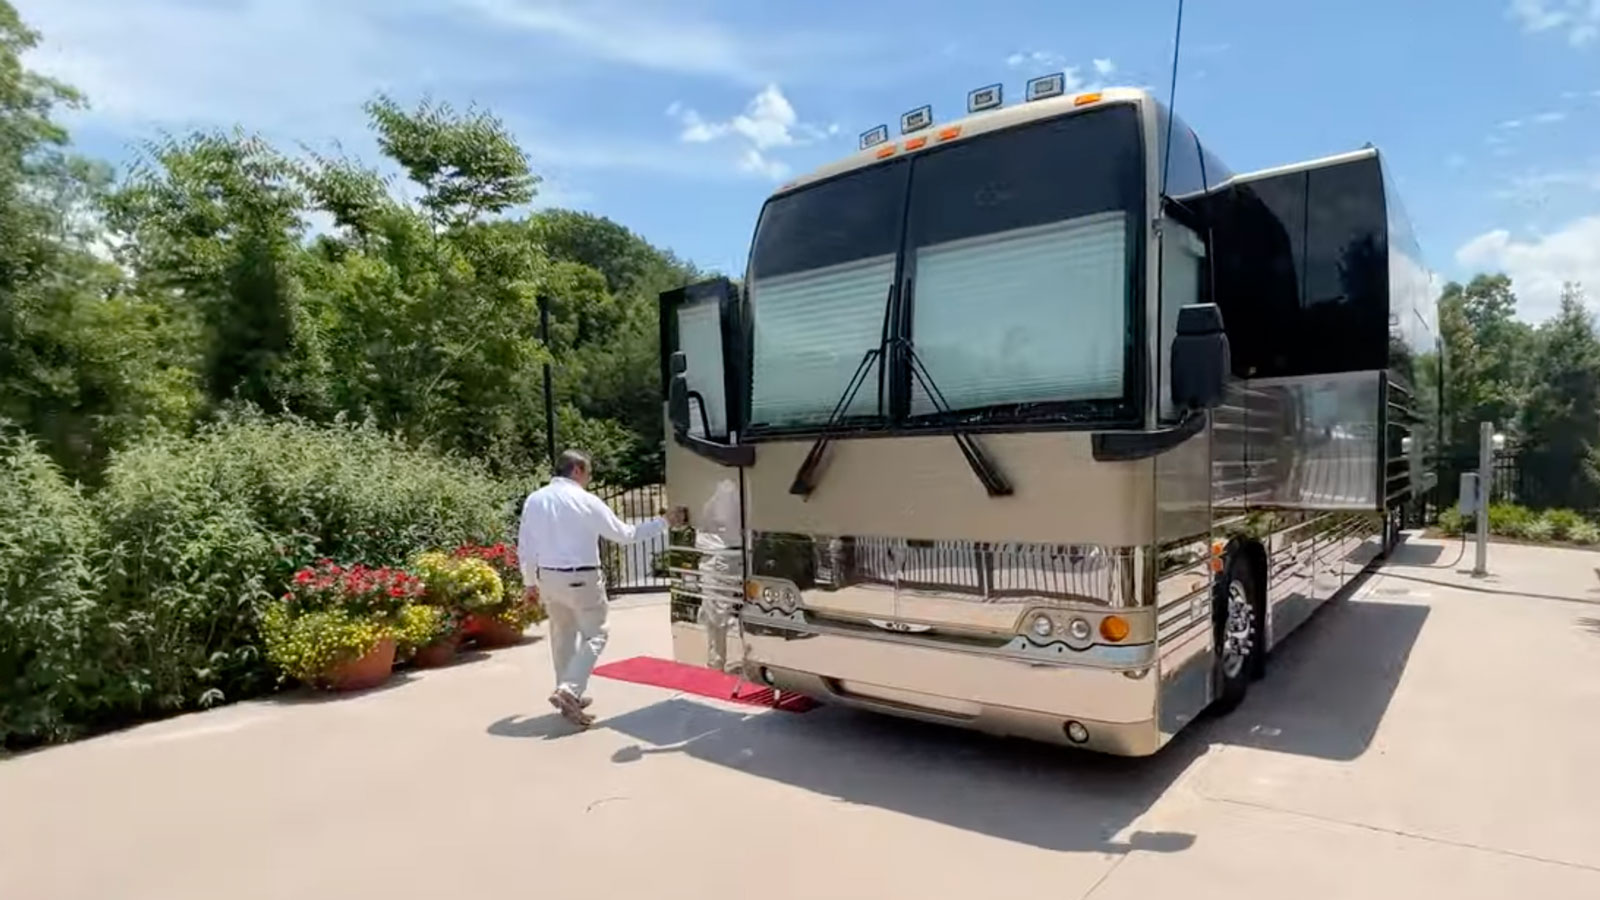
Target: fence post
[{"x": 549, "y": 392}]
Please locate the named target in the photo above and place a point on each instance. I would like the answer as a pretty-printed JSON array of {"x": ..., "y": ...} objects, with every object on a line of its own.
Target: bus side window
[{"x": 1182, "y": 255}]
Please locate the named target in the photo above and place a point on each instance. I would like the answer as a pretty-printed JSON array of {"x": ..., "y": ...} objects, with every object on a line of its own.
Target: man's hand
[{"x": 678, "y": 516}]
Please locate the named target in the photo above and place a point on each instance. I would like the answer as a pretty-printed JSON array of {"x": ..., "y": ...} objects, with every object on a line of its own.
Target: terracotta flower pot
[
  {"x": 367, "y": 671},
  {"x": 439, "y": 653},
  {"x": 490, "y": 631}
]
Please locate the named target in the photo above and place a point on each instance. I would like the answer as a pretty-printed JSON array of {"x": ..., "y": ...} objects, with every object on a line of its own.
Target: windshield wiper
[
  {"x": 982, "y": 465},
  {"x": 805, "y": 478}
]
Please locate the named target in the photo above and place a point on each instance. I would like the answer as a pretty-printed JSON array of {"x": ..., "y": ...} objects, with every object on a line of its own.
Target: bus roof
[{"x": 974, "y": 124}]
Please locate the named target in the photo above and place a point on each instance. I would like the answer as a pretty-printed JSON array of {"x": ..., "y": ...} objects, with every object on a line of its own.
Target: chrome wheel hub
[{"x": 1238, "y": 633}]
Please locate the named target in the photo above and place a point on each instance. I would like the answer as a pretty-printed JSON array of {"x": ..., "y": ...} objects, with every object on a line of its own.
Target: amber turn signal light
[{"x": 1114, "y": 628}]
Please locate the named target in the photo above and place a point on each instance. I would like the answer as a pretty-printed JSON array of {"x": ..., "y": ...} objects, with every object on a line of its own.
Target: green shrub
[
  {"x": 1561, "y": 522},
  {"x": 1509, "y": 519},
  {"x": 1538, "y": 530},
  {"x": 1585, "y": 533},
  {"x": 1452, "y": 522},
  {"x": 59, "y": 653},
  {"x": 205, "y": 531}
]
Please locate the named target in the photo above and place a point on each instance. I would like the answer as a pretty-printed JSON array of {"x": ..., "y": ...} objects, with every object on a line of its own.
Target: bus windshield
[{"x": 1016, "y": 251}]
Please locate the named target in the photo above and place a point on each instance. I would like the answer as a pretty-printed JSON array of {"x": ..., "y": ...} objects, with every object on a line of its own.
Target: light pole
[{"x": 1488, "y": 443}]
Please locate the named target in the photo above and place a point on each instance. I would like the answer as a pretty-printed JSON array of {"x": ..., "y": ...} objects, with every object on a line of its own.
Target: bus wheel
[{"x": 1237, "y": 632}]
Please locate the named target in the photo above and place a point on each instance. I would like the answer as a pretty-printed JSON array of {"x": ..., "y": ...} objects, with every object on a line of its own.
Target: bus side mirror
[
  {"x": 679, "y": 399},
  {"x": 678, "y": 395},
  {"x": 1200, "y": 358}
]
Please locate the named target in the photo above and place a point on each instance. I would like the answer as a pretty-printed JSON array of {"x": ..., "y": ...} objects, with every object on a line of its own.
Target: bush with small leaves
[
  {"x": 1540, "y": 531},
  {"x": 1585, "y": 533},
  {"x": 1452, "y": 522},
  {"x": 1561, "y": 522},
  {"x": 60, "y": 653}
]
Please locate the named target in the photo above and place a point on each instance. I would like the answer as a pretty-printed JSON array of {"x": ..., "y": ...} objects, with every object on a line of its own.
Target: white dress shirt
[{"x": 562, "y": 525}]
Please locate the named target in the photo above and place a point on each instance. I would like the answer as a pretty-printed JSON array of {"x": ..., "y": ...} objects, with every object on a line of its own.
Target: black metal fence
[
  {"x": 631, "y": 568},
  {"x": 1532, "y": 477}
]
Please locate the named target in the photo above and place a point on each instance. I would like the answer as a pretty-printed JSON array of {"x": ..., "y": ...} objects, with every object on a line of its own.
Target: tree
[
  {"x": 212, "y": 224},
  {"x": 1561, "y": 421},
  {"x": 84, "y": 365},
  {"x": 1488, "y": 354}
]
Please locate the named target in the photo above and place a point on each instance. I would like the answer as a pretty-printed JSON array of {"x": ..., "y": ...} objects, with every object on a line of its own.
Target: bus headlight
[
  {"x": 1043, "y": 626},
  {"x": 773, "y": 595},
  {"x": 1079, "y": 630}
]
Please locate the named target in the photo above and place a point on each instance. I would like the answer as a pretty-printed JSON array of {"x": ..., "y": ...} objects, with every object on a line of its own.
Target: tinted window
[
  {"x": 1184, "y": 172},
  {"x": 1060, "y": 169},
  {"x": 1346, "y": 295},
  {"x": 1020, "y": 258},
  {"x": 1258, "y": 249},
  {"x": 849, "y": 218}
]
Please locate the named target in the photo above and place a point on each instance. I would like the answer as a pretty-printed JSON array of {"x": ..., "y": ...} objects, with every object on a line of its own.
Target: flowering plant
[
  {"x": 503, "y": 559},
  {"x": 307, "y": 646},
  {"x": 420, "y": 625},
  {"x": 460, "y": 584},
  {"x": 512, "y": 609},
  {"x": 358, "y": 589}
]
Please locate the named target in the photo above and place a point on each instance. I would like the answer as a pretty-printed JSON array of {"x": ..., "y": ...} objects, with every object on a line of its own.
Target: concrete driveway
[{"x": 1420, "y": 738}]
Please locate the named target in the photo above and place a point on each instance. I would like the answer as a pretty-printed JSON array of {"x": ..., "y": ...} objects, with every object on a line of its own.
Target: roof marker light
[
  {"x": 916, "y": 143},
  {"x": 916, "y": 120},
  {"x": 1086, "y": 99},
  {"x": 1047, "y": 86},
  {"x": 985, "y": 98},
  {"x": 954, "y": 131},
  {"x": 874, "y": 137},
  {"x": 886, "y": 152}
]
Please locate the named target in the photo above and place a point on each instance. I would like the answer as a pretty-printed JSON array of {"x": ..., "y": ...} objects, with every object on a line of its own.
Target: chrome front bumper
[{"x": 966, "y": 688}]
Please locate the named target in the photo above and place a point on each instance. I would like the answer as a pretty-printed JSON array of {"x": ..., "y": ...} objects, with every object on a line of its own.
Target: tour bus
[{"x": 1042, "y": 422}]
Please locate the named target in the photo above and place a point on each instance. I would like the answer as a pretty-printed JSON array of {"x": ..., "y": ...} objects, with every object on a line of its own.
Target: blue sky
[{"x": 677, "y": 117}]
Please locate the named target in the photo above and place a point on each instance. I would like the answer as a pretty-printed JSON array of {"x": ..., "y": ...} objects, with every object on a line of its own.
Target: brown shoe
[{"x": 571, "y": 709}]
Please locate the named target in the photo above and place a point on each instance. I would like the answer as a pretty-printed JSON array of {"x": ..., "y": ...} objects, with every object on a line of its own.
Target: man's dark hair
[{"x": 571, "y": 461}]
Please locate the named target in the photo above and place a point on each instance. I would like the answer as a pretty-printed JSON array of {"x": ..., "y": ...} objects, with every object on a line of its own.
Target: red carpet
[{"x": 665, "y": 673}]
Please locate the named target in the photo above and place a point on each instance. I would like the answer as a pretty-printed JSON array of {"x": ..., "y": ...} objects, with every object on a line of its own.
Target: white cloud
[
  {"x": 768, "y": 122},
  {"x": 1511, "y": 123},
  {"x": 1579, "y": 20},
  {"x": 1547, "y": 118},
  {"x": 286, "y": 63},
  {"x": 1455, "y": 161},
  {"x": 1040, "y": 61},
  {"x": 1537, "y": 187},
  {"x": 754, "y": 162},
  {"x": 1539, "y": 265},
  {"x": 667, "y": 36}
]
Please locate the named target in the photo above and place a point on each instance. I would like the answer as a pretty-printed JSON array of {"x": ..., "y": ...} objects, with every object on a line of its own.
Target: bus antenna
[{"x": 1172, "y": 101}]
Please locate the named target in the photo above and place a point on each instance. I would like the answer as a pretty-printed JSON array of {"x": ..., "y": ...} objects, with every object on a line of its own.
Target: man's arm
[
  {"x": 527, "y": 553},
  {"x": 614, "y": 529}
]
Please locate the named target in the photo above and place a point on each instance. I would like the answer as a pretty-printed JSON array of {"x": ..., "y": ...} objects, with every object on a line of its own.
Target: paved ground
[{"x": 1417, "y": 740}]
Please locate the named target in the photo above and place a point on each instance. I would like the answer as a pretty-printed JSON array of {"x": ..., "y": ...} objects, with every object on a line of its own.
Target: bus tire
[{"x": 1237, "y": 637}]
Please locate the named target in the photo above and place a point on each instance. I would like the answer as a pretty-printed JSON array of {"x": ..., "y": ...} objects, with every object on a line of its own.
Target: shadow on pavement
[
  {"x": 1328, "y": 689},
  {"x": 1329, "y": 684},
  {"x": 1044, "y": 796},
  {"x": 547, "y": 726},
  {"x": 1590, "y": 625},
  {"x": 301, "y": 696}
]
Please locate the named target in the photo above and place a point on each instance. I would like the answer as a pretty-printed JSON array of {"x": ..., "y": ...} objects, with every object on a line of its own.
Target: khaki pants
[{"x": 576, "y": 605}]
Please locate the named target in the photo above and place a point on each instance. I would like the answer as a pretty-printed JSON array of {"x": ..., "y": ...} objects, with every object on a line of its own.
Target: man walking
[{"x": 558, "y": 545}]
